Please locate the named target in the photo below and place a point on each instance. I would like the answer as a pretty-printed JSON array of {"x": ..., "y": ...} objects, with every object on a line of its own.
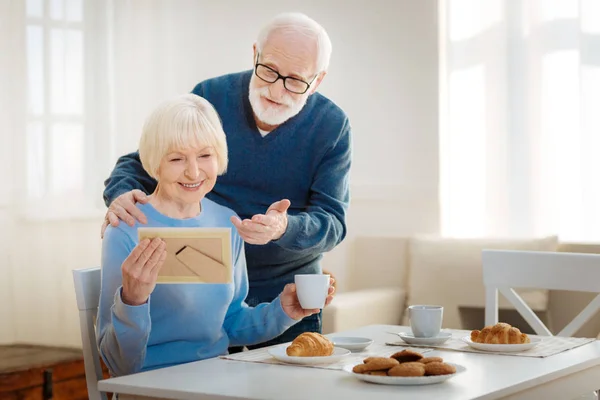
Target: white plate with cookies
[
  {"x": 405, "y": 380},
  {"x": 405, "y": 367},
  {"x": 502, "y": 348},
  {"x": 279, "y": 353}
]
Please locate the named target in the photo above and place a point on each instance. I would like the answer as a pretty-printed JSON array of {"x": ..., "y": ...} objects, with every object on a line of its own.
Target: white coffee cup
[
  {"x": 425, "y": 321},
  {"x": 312, "y": 290}
]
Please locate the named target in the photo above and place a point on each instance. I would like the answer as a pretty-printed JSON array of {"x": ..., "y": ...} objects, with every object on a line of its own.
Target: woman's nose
[{"x": 191, "y": 170}]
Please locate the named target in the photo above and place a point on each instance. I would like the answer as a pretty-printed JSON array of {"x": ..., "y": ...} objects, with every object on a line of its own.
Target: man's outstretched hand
[{"x": 262, "y": 228}]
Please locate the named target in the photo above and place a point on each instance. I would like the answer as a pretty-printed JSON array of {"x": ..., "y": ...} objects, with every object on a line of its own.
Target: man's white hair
[{"x": 302, "y": 24}]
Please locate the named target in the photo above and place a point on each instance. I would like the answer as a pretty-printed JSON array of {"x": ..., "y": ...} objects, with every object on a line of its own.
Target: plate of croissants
[
  {"x": 309, "y": 348},
  {"x": 501, "y": 337},
  {"x": 405, "y": 367}
]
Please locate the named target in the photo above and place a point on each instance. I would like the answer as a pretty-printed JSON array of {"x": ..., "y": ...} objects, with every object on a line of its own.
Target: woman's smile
[{"x": 191, "y": 187}]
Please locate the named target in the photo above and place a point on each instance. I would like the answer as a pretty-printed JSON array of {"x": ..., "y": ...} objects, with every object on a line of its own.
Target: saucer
[
  {"x": 351, "y": 343},
  {"x": 430, "y": 341}
]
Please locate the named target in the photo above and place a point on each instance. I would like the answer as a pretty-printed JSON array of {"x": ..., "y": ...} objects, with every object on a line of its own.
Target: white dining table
[{"x": 566, "y": 375}]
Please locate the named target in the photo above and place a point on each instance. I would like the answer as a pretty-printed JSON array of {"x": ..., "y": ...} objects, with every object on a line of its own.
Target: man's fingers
[
  {"x": 280, "y": 206},
  {"x": 284, "y": 205},
  {"x": 135, "y": 212},
  {"x": 139, "y": 196},
  {"x": 254, "y": 227},
  {"x": 250, "y": 228},
  {"x": 266, "y": 220},
  {"x": 122, "y": 214},
  {"x": 250, "y": 239},
  {"x": 236, "y": 221},
  {"x": 112, "y": 218}
]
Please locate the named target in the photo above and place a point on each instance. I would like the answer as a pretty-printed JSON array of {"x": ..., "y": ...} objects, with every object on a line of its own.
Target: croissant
[
  {"x": 310, "y": 344},
  {"x": 500, "y": 333}
]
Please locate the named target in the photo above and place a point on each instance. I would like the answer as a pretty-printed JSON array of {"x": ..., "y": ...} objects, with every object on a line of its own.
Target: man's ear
[
  {"x": 253, "y": 53},
  {"x": 317, "y": 82}
]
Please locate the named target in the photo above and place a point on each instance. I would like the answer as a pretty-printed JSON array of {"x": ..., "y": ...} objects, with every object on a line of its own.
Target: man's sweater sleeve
[
  {"x": 250, "y": 325},
  {"x": 323, "y": 225},
  {"x": 128, "y": 174},
  {"x": 122, "y": 331}
]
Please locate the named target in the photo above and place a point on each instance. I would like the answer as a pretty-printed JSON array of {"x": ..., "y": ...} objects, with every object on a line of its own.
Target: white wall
[
  {"x": 391, "y": 49},
  {"x": 384, "y": 73}
]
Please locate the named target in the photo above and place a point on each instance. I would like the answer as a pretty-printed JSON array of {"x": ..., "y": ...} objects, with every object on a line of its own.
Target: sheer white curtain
[
  {"x": 78, "y": 79},
  {"x": 53, "y": 110},
  {"x": 520, "y": 139}
]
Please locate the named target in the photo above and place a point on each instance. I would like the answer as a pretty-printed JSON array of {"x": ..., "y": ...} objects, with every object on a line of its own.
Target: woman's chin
[{"x": 192, "y": 197}]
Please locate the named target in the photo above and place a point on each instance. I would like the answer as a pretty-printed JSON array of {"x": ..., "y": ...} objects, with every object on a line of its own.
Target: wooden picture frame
[{"x": 194, "y": 255}]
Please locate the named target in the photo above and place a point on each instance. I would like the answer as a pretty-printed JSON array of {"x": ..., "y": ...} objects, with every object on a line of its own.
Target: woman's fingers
[
  {"x": 159, "y": 263},
  {"x": 147, "y": 253}
]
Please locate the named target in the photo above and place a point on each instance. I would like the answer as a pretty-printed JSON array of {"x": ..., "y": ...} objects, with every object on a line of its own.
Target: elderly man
[{"x": 290, "y": 156}]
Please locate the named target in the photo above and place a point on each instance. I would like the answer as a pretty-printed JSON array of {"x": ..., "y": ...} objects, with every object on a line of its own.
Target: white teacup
[
  {"x": 425, "y": 321},
  {"x": 312, "y": 290}
]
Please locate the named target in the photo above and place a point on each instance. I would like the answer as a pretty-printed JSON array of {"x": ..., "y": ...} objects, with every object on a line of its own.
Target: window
[
  {"x": 520, "y": 143},
  {"x": 67, "y": 118}
]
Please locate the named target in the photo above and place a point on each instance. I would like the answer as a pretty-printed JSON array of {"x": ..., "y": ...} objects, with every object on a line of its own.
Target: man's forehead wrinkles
[{"x": 296, "y": 65}]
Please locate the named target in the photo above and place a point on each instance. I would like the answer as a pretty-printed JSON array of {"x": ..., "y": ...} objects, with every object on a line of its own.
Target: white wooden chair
[
  {"x": 504, "y": 270},
  {"x": 87, "y": 293}
]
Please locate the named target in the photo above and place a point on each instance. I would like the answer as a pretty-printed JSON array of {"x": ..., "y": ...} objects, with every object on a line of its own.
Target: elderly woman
[{"x": 142, "y": 325}]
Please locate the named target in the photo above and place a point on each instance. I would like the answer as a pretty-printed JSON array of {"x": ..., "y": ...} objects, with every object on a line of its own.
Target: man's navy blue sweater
[{"x": 306, "y": 160}]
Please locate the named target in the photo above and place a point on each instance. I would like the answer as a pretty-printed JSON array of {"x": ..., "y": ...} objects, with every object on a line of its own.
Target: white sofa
[{"x": 388, "y": 273}]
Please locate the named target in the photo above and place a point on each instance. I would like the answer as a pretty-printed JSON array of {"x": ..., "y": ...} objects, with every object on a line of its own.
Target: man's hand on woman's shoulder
[{"x": 123, "y": 208}]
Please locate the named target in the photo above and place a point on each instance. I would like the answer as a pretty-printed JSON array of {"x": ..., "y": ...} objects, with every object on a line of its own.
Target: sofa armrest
[{"x": 358, "y": 308}]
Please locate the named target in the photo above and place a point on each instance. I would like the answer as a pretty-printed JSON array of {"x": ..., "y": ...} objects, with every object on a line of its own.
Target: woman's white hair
[
  {"x": 302, "y": 24},
  {"x": 187, "y": 121}
]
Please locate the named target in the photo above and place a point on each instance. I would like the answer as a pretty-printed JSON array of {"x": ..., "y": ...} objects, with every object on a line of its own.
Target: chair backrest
[
  {"x": 504, "y": 270},
  {"x": 87, "y": 293}
]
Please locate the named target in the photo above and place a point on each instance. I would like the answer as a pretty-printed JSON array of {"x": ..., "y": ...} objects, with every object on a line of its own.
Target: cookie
[
  {"x": 438, "y": 368},
  {"x": 427, "y": 360},
  {"x": 380, "y": 363},
  {"x": 406, "y": 356},
  {"x": 408, "y": 369},
  {"x": 360, "y": 368},
  {"x": 377, "y": 373}
]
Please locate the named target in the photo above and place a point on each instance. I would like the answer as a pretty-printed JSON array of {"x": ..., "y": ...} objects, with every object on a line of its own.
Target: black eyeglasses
[{"x": 269, "y": 75}]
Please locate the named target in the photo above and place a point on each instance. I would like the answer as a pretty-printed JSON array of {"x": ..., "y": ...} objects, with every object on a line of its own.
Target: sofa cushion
[
  {"x": 378, "y": 262},
  {"x": 448, "y": 272},
  {"x": 359, "y": 308}
]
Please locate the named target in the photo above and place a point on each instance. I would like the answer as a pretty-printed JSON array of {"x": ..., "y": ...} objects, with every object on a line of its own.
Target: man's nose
[{"x": 277, "y": 90}]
